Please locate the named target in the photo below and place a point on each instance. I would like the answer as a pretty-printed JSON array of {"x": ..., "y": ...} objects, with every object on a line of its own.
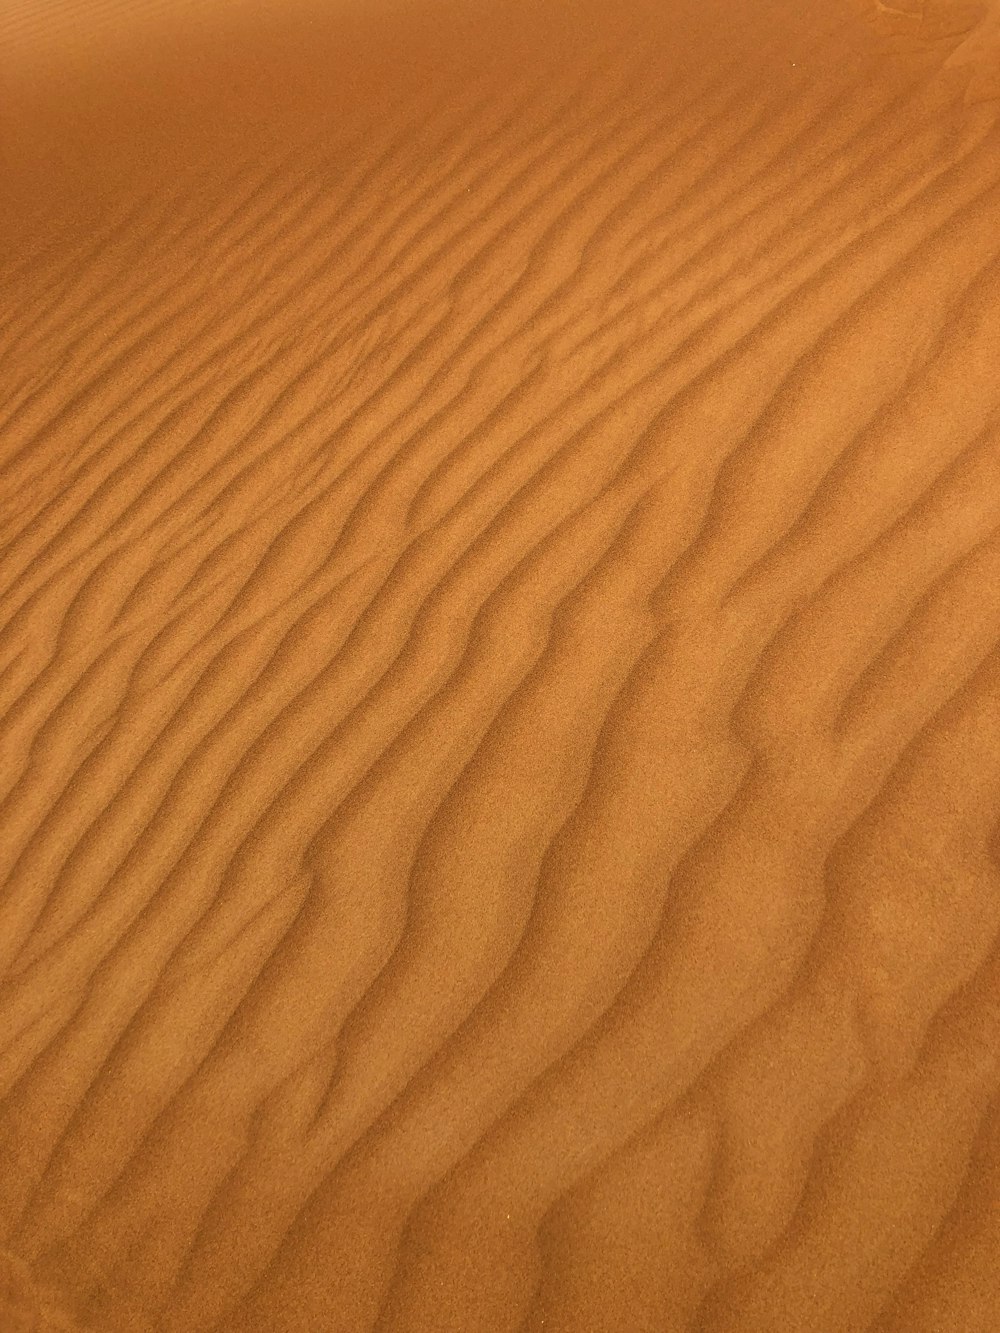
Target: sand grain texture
[{"x": 499, "y": 671}]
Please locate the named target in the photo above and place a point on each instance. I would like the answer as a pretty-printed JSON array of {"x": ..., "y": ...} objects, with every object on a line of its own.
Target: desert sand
[{"x": 500, "y": 666}]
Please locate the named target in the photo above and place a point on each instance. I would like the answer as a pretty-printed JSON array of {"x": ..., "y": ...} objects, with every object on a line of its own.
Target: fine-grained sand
[{"x": 500, "y": 666}]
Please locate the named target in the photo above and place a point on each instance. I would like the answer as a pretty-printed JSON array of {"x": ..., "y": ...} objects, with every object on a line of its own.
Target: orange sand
[{"x": 500, "y": 666}]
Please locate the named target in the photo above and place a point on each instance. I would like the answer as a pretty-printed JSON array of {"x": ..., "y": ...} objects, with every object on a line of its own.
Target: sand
[{"x": 500, "y": 667}]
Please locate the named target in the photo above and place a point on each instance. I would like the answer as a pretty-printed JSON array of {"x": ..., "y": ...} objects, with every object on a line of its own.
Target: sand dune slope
[{"x": 499, "y": 683}]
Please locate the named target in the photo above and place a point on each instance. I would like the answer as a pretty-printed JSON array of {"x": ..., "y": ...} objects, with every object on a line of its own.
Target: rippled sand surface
[{"x": 500, "y": 667}]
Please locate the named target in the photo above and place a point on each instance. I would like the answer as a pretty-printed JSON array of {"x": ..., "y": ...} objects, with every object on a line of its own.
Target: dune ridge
[{"x": 498, "y": 697}]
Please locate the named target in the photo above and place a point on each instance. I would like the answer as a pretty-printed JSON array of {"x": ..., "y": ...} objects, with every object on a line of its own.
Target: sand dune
[{"x": 499, "y": 675}]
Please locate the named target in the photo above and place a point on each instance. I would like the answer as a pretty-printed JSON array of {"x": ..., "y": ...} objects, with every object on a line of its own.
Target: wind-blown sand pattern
[{"x": 499, "y": 669}]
